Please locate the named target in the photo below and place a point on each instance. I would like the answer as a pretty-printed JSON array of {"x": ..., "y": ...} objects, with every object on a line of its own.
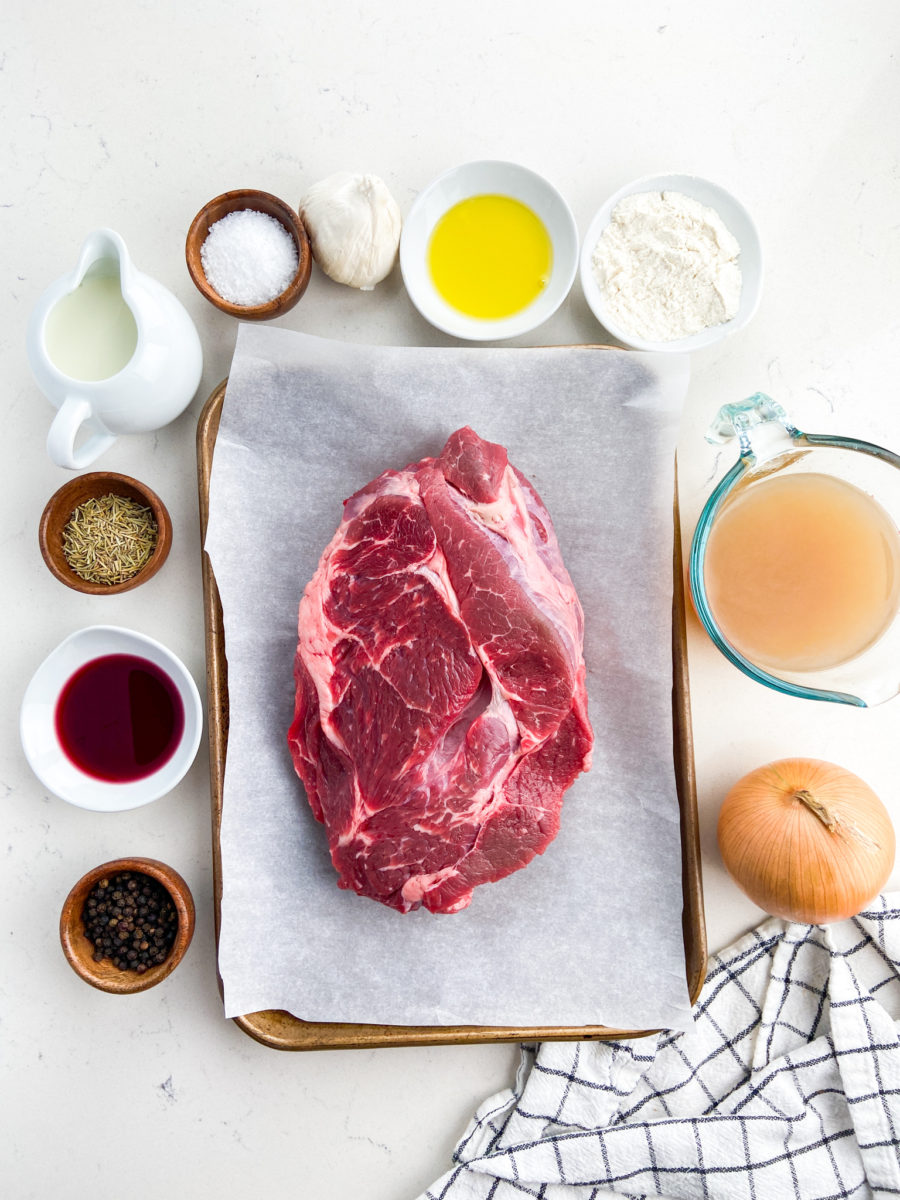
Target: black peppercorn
[{"x": 131, "y": 920}]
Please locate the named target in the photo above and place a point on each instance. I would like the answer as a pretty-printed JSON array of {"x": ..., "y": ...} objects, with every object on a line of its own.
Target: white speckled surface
[{"x": 132, "y": 116}]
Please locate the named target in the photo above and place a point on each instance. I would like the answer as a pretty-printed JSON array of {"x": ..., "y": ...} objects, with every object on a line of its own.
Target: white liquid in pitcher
[{"x": 91, "y": 333}]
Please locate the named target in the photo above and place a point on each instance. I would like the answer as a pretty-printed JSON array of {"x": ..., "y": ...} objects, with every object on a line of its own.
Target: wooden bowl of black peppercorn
[{"x": 126, "y": 925}]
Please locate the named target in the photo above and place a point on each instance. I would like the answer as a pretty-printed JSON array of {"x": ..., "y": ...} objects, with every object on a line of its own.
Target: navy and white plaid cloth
[{"x": 787, "y": 1085}]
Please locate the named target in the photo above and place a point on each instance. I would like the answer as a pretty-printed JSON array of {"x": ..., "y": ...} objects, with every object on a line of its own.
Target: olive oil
[{"x": 490, "y": 256}]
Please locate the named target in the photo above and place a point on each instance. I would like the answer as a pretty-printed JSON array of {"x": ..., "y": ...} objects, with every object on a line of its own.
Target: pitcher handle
[{"x": 75, "y": 412}]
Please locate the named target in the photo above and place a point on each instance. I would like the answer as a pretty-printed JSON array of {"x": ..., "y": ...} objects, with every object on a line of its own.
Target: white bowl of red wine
[{"x": 111, "y": 719}]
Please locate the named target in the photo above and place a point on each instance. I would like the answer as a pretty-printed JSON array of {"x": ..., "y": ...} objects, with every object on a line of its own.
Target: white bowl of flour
[{"x": 672, "y": 263}]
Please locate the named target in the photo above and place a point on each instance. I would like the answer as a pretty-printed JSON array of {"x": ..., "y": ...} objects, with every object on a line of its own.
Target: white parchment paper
[{"x": 588, "y": 933}]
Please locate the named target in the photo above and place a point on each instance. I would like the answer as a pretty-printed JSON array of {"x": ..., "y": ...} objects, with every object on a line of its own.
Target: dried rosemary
[{"x": 109, "y": 539}]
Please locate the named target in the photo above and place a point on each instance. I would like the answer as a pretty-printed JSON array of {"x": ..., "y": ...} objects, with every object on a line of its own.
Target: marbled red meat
[{"x": 441, "y": 710}]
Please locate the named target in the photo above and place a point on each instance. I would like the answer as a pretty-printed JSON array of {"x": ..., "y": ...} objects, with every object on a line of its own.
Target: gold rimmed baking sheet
[{"x": 283, "y": 1031}]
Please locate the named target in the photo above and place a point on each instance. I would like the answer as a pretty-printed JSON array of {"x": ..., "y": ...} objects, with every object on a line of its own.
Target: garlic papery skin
[{"x": 353, "y": 224}]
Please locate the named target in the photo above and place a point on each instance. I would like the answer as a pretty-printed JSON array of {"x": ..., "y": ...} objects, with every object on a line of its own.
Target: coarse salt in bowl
[
  {"x": 737, "y": 221},
  {"x": 249, "y": 257},
  {"x": 246, "y": 238}
]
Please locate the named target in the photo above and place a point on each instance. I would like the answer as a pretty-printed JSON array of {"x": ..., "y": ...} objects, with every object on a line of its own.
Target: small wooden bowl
[
  {"x": 265, "y": 202},
  {"x": 79, "y": 951},
  {"x": 63, "y": 503}
]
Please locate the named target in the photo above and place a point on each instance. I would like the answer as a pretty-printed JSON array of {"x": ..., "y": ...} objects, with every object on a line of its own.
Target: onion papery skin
[{"x": 787, "y": 859}]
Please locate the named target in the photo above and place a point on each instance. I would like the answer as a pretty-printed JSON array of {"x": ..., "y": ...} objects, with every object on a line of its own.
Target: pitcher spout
[{"x": 104, "y": 252}]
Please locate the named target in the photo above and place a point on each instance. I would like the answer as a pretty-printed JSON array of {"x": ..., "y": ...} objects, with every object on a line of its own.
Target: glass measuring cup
[{"x": 865, "y": 473}]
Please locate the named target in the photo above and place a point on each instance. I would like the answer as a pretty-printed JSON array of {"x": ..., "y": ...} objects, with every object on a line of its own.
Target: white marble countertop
[{"x": 133, "y": 115}]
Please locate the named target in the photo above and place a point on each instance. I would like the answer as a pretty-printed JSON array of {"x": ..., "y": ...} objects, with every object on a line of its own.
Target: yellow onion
[{"x": 806, "y": 840}]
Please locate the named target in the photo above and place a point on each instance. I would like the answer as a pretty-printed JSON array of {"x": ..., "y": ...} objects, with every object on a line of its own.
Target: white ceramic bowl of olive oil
[{"x": 488, "y": 251}]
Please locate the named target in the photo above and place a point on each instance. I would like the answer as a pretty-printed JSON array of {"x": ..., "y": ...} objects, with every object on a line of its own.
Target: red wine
[{"x": 119, "y": 718}]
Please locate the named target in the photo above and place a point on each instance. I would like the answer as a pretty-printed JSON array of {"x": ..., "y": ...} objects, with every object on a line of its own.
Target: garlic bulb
[{"x": 353, "y": 224}]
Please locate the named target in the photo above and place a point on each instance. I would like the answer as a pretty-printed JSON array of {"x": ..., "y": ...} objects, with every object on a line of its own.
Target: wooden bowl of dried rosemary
[{"x": 104, "y": 533}]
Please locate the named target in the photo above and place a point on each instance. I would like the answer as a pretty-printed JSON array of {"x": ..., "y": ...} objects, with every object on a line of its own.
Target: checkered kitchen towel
[{"x": 787, "y": 1085}]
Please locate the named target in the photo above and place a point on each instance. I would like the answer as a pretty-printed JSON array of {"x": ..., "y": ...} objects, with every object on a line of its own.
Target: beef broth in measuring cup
[
  {"x": 795, "y": 561},
  {"x": 802, "y": 571}
]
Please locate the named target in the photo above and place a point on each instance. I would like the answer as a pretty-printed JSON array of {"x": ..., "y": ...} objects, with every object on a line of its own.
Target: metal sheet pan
[{"x": 283, "y": 1031}]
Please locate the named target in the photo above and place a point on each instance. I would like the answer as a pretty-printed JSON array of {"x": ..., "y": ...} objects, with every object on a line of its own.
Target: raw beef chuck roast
[{"x": 441, "y": 710}]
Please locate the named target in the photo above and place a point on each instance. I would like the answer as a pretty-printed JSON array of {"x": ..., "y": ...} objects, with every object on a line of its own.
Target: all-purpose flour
[{"x": 667, "y": 266}]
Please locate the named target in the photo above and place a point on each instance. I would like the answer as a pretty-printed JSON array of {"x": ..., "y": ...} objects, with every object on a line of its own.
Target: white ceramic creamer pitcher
[{"x": 113, "y": 350}]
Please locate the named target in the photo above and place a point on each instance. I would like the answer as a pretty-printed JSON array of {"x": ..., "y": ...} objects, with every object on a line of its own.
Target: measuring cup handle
[{"x": 75, "y": 412}]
